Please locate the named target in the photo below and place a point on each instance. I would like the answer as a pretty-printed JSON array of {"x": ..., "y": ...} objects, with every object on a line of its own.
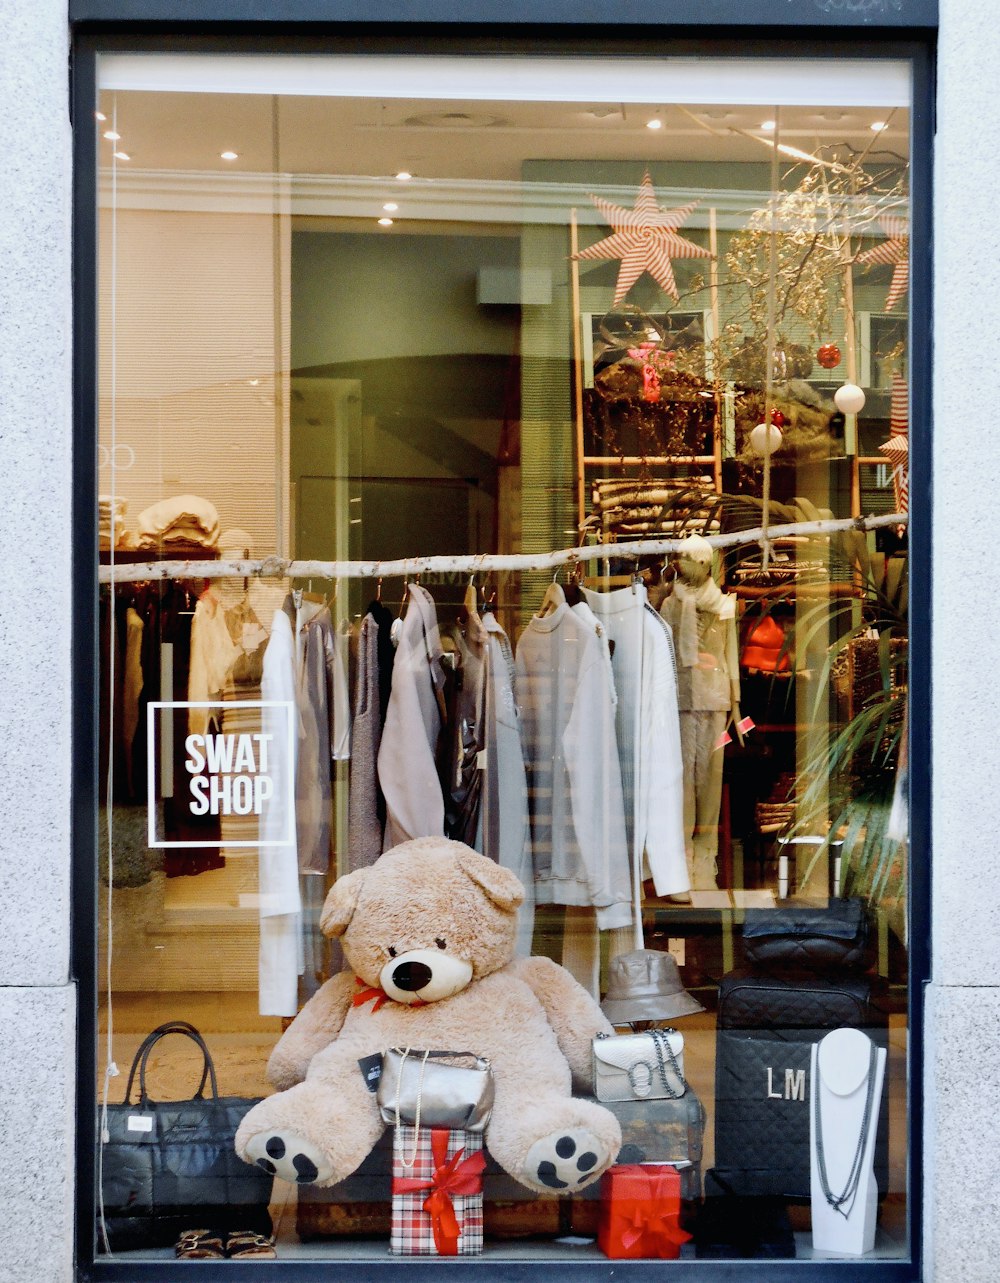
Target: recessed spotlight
[
  {"x": 654, "y": 124},
  {"x": 122, "y": 155},
  {"x": 111, "y": 136},
  {"x": 385, "y": 222},
  {"x": 404, "y": 176},
  {"x": 769, "y": 126},
  {"x": 229, "y": 155},
  {"x": 253, "y": 382},
  {"x": 390, "y": 207},
  {"x": 99, "y": 115},
  {"x": 878, "y": 125}
]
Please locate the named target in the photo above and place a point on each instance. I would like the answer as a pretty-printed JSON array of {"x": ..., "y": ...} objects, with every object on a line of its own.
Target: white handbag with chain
[{"x": 646, "y": 1066}]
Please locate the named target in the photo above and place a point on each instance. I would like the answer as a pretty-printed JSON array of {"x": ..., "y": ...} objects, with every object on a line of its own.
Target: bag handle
[
  {"x": 662, "y": 1047},
  {"x": 188, "y": 1031},
  {"x": 405, "y": 1051},
  {"x": 170, "y": 1026}
]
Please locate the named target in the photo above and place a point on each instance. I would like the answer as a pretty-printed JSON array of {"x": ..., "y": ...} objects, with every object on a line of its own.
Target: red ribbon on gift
[
  {"x": 452, "y": 1176},
  {"x": 653, "y": 1232},
  {"x": 644, "y": 1210}
]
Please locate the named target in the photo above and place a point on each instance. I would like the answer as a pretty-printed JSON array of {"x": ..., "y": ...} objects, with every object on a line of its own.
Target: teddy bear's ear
[
  {"x": 501, "y": 885},
  {"x": 341, "y": 903}
]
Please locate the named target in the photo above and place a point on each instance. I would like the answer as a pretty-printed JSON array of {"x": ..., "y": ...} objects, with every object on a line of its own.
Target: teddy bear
[{"x": 428, "y": 932}]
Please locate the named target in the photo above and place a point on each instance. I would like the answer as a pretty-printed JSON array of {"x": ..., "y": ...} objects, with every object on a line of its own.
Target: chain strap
[
  {"x": 837, "y": 1201},
  {"x": 661, "y": 1045},
  {"x": 416, "y": 1117}
]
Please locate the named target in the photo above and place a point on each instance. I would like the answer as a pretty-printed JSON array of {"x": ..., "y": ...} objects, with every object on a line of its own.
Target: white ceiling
[{"x": 462, "y": 139}]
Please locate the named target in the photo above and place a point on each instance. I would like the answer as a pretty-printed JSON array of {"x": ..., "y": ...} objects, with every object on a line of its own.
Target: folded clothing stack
[
  {"x": 633, "y": 509},
  {"x": 110, "y": 520},
  {"x": 184, "y": 519}
]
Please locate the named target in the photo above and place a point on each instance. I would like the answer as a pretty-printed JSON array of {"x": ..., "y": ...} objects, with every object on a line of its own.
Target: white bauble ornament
[
  {"x": 764, "y": 439},
  {"x": 849, "y": 399}
]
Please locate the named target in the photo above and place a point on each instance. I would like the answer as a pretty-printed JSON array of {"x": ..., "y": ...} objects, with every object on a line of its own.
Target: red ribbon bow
[
  {"x": 368, "y": 992},
  {"x": 657, "y": 1232},
  {"x": 645, "y": 1206},
  {"x": 452, "y": 1176}
]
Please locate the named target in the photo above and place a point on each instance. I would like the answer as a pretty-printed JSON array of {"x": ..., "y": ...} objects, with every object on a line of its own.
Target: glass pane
[{"x": 626, "y": 367}]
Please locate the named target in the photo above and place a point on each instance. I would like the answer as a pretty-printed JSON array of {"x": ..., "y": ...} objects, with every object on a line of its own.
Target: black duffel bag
[
  {"x": 835, "y": 939},
  {"x": 169, "y": 1166}
]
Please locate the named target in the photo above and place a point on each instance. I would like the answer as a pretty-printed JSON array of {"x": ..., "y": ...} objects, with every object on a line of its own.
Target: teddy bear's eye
[
  {"x": 440, "y": 943},
  {"x": 392, "y": 952}
]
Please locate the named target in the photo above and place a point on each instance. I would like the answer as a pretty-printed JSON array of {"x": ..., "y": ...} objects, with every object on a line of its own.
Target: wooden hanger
[
  {"x": 471, "y": 601},
  {"x": 553, "y": 599}
]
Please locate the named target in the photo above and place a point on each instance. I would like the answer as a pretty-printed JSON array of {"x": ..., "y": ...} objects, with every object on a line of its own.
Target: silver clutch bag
[
  {"x": 646, "y": 1066},
  {"x": 435, "y": 1089}
]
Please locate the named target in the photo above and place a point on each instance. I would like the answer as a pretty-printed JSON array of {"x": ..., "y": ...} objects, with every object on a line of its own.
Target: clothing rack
[{"x": 476, "y": 563}]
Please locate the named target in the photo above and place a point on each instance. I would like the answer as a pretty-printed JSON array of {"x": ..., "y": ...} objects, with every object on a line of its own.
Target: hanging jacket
[
  {"x": 648, "y": 733},
  {"x": 504, "y": 832},
  {"x": 365, "y": 824},
  {"x": 579, "y": 846},
  {"x": 407, "y": 767}
]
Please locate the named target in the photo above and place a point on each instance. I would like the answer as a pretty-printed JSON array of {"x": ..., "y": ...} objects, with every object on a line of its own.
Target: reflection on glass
[{"x": 352, "y": 330}]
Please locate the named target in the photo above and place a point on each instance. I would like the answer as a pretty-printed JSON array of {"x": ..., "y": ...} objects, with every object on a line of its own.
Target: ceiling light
[
  {"x": 385, "y": 222},
  {"x": 111, "y": 136},
  {"x": 654, "y": 124},
  {"x": 768, "y": 125},
  {"x": 878, "y": 125},
  {"x": 229, "y": 155},
  {"x": 99, "y": 115},
  {"x": 122, "y": 155},
  {"x": 404, "y": 176},
  {"x": 390, "y": 207}
]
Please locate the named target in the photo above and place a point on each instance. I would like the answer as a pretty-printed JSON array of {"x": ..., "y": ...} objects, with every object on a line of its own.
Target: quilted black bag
[
  {"x": 831, "y": 940},
  {"x": 169, "y": 1166},
  {"x": 766, "y": 1026}
]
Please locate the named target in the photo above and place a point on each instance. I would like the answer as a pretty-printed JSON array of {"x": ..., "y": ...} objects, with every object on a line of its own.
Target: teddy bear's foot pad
[
  {"x": 567, "y": 1159},
  {"x": 289, "y": 1157}
]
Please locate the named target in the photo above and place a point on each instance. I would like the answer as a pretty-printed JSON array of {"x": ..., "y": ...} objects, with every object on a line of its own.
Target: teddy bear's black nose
[{"x": 411, "y": 976}]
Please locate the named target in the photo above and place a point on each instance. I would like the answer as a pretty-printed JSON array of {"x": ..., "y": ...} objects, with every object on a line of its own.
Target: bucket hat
[{"x": 646, "y": 985}]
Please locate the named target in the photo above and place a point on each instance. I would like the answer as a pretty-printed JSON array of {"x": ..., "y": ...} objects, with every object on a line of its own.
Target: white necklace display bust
[{"x": 847, "y": 1075}]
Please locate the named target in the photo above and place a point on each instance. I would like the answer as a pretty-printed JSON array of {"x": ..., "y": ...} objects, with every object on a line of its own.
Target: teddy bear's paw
[
  {"x": 289, "y": 1157},
  {"x": 568, "y": 1159}
]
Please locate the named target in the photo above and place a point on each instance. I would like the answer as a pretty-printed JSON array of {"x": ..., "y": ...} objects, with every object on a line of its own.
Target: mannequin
[
  {"x": 702, "y": 619},
  {"x": 845, "y": 1094}
]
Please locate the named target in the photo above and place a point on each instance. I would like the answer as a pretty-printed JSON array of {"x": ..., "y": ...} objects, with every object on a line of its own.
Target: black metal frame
[{"x": 891, "y": 28}]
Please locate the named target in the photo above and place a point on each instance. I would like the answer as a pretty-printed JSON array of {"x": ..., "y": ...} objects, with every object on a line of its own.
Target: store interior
[{"x": 364, "y": 328}]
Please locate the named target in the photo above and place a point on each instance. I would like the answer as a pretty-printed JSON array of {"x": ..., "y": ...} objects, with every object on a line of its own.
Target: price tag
[{"x": 140, "y": 1123}]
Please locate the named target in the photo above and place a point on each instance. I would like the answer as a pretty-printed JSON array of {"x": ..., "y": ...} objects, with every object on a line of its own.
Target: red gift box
[
  {"x": 640, "y": 1210},
  {"x": 437, "y": 1192}
]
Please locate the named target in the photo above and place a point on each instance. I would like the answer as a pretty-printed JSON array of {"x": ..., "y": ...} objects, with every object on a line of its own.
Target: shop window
[{"x": 453, "y": 413}]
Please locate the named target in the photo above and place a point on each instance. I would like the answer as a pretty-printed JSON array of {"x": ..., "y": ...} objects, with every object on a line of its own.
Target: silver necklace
[{"x": 850, "y": 1191}]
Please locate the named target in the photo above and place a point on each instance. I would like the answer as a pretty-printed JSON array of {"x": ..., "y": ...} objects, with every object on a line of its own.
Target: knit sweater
[{"x": 580, "y": 851}]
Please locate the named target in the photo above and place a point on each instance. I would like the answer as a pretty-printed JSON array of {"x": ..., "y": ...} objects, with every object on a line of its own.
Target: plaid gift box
[
  {"x": 437, "y": 1199},
  {"x": 640, "y": 1210}
]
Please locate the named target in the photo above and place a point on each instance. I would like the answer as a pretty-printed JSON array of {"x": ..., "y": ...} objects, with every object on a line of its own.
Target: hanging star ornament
[
  {"x": 645, "y": 239},
  {"x": 895, "y": 250}
]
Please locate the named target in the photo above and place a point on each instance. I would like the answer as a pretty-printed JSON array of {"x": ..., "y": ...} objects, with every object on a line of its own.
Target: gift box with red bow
[
  {"x": 640, "y": 1210},
  {"x": 437, "y": 1192}
]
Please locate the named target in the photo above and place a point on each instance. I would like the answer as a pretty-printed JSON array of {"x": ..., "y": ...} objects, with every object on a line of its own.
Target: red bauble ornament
[
  {"x": 777, "y": 418},
  {"x": 828, "y": 356}
]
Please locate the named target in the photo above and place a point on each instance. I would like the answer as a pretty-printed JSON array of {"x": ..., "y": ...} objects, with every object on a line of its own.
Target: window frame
[{"x": 889, "y": 28}]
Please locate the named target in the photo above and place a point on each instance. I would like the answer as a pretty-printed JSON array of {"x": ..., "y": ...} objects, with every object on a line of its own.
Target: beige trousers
[{"x": 700, "y": 733}]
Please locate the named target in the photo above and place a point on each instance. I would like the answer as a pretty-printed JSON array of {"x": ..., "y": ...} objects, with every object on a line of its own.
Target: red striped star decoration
[
  {"x": 895, "y": 251},
  {"x": 645, "y": 239},
  {"x": 897, "y": 448}
]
